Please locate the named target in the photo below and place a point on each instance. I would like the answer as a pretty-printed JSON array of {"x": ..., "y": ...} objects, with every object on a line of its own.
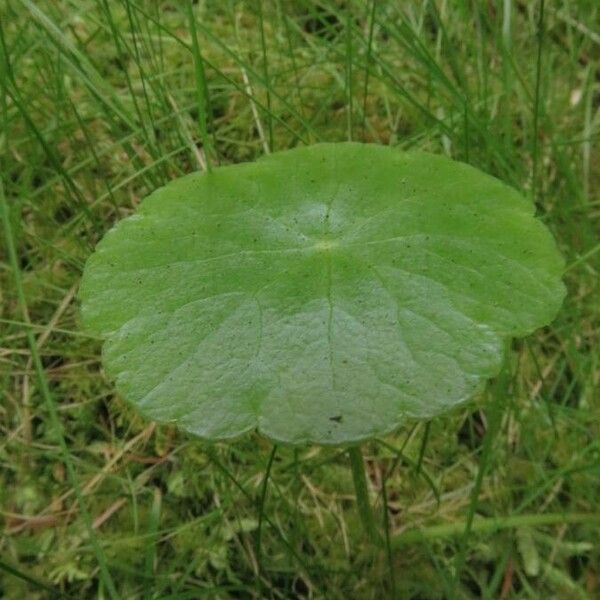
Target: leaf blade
[{"x": 320, "y": 295}]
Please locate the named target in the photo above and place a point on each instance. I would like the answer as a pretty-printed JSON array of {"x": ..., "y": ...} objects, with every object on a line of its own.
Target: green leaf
[{"x": 322, "y": 294}]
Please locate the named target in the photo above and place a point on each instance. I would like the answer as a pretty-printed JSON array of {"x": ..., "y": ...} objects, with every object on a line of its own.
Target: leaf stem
[
  {"x": 261, "y": 509},
  {"x": 499, "y": 391},
  {"x": 365, "y": 512},
  {"x": 201, "y": 86},
  {"x": 265, "y": 62},
  {"x": 536, "y": 104},
  {"x": 386, "y": 529},
  {"x": 491, "y": 525}
]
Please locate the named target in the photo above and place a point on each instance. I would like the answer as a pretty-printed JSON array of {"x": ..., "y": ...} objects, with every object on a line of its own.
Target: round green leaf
[{"x": 322, "y": 294}]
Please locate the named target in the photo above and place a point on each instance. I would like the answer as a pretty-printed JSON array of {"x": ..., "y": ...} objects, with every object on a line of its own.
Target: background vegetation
[{"x": 98, "y": 107}]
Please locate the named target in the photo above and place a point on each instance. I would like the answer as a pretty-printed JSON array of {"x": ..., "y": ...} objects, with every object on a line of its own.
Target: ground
[{"x": 99, "y": 105}]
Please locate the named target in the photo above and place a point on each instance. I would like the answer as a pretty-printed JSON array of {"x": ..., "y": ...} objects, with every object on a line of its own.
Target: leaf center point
[{"x": 326, "y": 245}]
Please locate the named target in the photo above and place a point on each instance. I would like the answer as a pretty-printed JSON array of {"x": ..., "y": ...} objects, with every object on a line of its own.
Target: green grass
[{"x": 103, "y": 101}]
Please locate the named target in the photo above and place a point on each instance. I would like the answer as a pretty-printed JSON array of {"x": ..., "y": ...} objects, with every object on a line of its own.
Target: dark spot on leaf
[{"x": 337, "y": 418}]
